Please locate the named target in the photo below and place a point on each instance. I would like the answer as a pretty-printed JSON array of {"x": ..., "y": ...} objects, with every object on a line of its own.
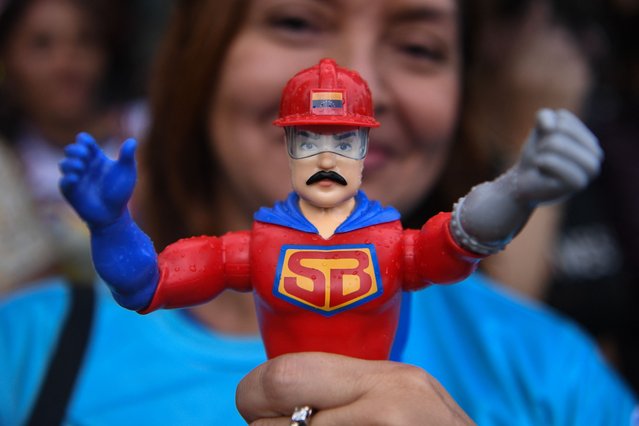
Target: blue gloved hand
[{"x": 97, "y": 187}]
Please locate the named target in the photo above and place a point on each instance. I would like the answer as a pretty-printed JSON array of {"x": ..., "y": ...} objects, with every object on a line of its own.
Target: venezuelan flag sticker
[{"x": 327, "y": 103}]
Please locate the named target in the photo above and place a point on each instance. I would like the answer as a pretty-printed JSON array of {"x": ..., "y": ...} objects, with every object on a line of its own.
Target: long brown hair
[{"x": 179, "y": 166}]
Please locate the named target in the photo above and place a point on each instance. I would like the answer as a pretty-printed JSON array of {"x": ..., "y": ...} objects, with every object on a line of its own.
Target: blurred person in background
[
  {"x": 58, "y": 63},
  {"x": 213, "y": 157},
  {"x": 26, "y": 253},
  {"x": 595, "y": 261},
  {"x": 577, "y": 256},
  {"x": 527, "y": 58}
]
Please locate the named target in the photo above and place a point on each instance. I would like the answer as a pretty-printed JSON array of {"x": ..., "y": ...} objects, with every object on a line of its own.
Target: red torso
[{"x": 339, "y": 295}]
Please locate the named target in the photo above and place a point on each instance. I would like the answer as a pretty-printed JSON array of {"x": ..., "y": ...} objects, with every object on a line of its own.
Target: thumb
[
  {"x": 127, "y": 152},
  {"x": 546, "y": 121}
]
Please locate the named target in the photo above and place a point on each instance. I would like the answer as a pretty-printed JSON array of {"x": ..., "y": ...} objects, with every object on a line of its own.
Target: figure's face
[
  {"x": 407, "y": 51},
  {"x": 54, "y": 61},
  {"x": 332, "y": 190}
]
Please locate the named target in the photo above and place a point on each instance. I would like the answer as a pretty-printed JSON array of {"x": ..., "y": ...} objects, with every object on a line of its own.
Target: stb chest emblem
[{"x": 327, "y": 279}]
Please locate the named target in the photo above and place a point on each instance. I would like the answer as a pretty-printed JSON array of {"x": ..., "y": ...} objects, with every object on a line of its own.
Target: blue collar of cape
[{"x": 366, "y": 213}]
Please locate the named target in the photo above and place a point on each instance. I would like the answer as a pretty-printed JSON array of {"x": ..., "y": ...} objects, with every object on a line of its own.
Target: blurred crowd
[
  {"x": 83, "y": 65},
  {"x": 581, "y": 256},
  {"x": 65, "y": 66}
]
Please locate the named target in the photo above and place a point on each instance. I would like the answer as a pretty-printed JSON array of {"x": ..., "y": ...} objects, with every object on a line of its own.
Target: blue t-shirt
[{"x": 505, "y": 361}]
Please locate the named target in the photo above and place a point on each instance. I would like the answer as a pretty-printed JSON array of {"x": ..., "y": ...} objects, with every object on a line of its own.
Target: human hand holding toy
[{"x": 345, "y": 391}]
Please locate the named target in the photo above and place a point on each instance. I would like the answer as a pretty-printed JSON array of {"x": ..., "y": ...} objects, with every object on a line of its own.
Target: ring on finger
[{"x": 301, "y": 416}]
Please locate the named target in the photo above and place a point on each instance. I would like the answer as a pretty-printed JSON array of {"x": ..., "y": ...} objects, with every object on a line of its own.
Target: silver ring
[{"x": 301, "y": 416}]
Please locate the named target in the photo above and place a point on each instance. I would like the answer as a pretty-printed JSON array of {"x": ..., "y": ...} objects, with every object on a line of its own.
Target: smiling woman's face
[{"x": 408, "y": 52}]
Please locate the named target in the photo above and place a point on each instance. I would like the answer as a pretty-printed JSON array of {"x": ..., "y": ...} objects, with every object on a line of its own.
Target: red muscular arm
[
  {"x": 431, "y": 255},
  {"x": 195, "y": 270}
]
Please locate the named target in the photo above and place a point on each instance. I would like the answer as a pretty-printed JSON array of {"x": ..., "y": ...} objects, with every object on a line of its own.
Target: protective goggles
[{"x": 303, "y": 143}]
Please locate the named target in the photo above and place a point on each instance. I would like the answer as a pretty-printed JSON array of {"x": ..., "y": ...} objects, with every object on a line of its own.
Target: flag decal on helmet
[{"x": 327, "y": 103}]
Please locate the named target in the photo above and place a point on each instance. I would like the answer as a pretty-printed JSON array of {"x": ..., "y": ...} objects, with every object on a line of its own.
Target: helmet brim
[{"x": 329, "y": 120}]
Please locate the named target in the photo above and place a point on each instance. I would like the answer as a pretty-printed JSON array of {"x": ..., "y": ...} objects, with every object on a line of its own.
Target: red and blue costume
[{"x": 340, "y": 294}]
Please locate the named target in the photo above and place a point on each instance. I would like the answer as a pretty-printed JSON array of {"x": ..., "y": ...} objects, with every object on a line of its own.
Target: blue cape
[{"x": 366, "y": 213}]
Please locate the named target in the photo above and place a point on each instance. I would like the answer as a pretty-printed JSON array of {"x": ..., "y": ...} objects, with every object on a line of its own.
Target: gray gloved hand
[{"x": 560, "y": 157}]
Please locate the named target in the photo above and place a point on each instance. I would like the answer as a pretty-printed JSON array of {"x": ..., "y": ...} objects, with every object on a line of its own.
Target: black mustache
[{"x": 330, "y": 175}]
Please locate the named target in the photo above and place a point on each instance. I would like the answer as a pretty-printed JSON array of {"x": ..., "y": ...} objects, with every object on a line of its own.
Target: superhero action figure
[{"x": 326, "y": 266}]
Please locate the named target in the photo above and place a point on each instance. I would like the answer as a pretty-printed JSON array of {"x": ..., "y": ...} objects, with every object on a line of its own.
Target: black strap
[{"x": 51, "y": 403}]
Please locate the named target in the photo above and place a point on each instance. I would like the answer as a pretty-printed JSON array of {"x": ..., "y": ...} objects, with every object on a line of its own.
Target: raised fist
[{"x": 560, "y": 157}]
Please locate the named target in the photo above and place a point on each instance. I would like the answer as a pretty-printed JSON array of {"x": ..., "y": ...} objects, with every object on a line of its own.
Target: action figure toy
[{"x": 327, "y": 266}]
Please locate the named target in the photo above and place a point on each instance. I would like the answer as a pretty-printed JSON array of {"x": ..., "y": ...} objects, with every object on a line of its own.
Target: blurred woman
[{"x": 213, "y": 157}]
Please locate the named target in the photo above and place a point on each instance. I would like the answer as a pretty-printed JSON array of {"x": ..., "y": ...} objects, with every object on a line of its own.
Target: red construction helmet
[{"x": 326, "y": 94}]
